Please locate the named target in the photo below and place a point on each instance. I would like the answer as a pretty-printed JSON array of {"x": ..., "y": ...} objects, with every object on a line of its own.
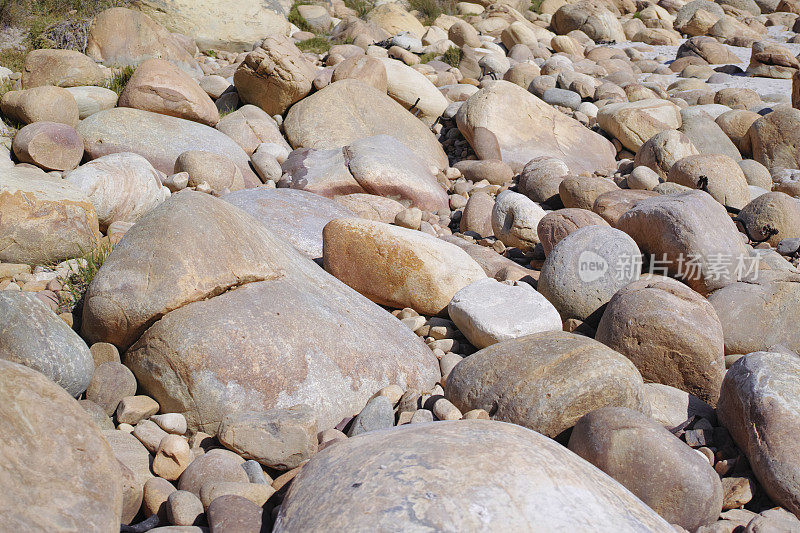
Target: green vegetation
[
  {"x": 297, "y": 20},
  {"x": 361, "y": 7},
  {"x": 430, "y": 56},
  {"x": 315, "y": 45},
  {"x": 637, "y": 15},
  {"x": 77, "y": 281},
  {"x": 120, "y": 79},
  {"x": 12, "y": 58},
  {"x": 453, "y": 56},
  {"x": 429, "y": 10},
  {"x": 535, "y": 5}
]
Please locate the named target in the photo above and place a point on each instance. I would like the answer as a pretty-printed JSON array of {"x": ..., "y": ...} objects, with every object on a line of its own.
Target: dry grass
[
  {"x": 76, "y": 283},
  {"x": 429, "y": 10},
  {"x": 315, "y": 45},
  {"x": 120, "y": 79}
]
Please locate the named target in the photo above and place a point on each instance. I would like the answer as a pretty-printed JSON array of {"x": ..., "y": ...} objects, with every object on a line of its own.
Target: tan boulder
[
  {"x": 771, "y": 217},
  {"x": 633, "y": 123},
  {"x": 612, "y": 205},
  {"x": 250, "y": 126},
  {"x": 159, "y": 86},
  {"x": 581, "y": 191},
  {"x": 48, "y": 145},
  {"x": 411, "y": 89},
  {"x": 46, "y": 103},
  {"x": 735, "y": 124},
  {"x": 671, "y": 333},
  {"x": 62, "y": 68},
  {"x": 773, "y": 139},
  {"x": 717, "y": 174},
  {"x": 663, "y": 149},
  {"x": 556, "y": 225},
  {"x": 215, "y": 170},
  {"x": 772, "y": 60},
  {"x": 392, "y": 18},
  {"x": 363, "y": 68},
  {"x": 424, "y": 273},
  {"x": 274, "y": 76},
  {"x": 591, "y": 17}
]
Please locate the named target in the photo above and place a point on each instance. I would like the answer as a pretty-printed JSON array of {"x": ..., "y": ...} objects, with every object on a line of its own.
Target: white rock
[{"x": 515, "y": 218}]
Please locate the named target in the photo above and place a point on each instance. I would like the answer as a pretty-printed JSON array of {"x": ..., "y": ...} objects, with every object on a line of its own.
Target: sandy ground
[{"x": 770, "y": 89}]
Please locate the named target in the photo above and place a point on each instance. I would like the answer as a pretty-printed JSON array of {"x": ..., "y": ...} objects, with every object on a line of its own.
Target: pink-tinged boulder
[{"x": 48, "y": 145}]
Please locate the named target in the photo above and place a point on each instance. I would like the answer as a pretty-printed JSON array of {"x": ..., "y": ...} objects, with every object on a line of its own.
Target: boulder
[
  {"x": 537, "y": 482},
  {"x": 295, "y": 216},
  {"x": 758, "y": 314},
  {"x": 706, "y": 135},
  {"x": 691, "y": 237},
  {"x": 772, "y": 60},
  {"x": 586, "y": 268},
  {"x": 364, "y": 68},
  {"x": 62, "y": 478},
  {"x": 396, "y": 266},
  {"x": 758, "y": 406},
  {"x": 717, "y": 174},
  {"x": 504, "y": 121},
  {"x": 45, "y": 104},
  {"x": 121, "y": 36},
  {"x": 515, "y": 219},
  {"x": 91, "y": 100},
  {"x": 581, "y": 192},
  {"x": 411, "y": 89},
  {"x": 348, "y": 110},
  {"x": 34, "y": 336},
  {"x": 45, "y": 220},
  {"x": 233, "y": 26},
  {"x": 48, "y": 145},
  {"x": 371, "y": 207},
  {"x": 159, "y": 86},
  {"x": 735, "y": 124},
  {"x": 218, "y": 172},
  {"x": 158, "y": 138},
  {"x": 671, "y": 333},
  {"x": 556, "y": 225},
  {"x": 771, "y": 217},
  {"x": 707, "y": 48},
  {"x": 633, "y": 123},
  {"x": 665, "y": 473},
  {"x": 62, "y": 68},
  {"x": 393, "y": 19},
  {"x": 545, "y": 381},
  {"x": 274, "y": 76},
  {"x": 773, "y": 139},
  {"x": 672, "y": 407},
  {"x": 122, "y": 187},
  {"x": 592, "y": 18},
  {"x": 251, "y": 126},
  {"x": 612, "y": 205},
  {"x": 487, "y": 312},
  {"x": 249, "y": 280},
  {"x": 663, "y": 150}
]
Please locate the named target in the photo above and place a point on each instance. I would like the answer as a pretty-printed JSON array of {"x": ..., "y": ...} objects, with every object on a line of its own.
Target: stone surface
[
  {"x": 111, "y": 382},
  {"x": 218, "y": 172},
  {"x": 396, "y": 266},
  {"x": 504, "y": 121},
  {"x": 62, "y": 68},
  {"x": 671, "y": 333},
  {"x": 771, "y": 217},
  {"x": 717, "y": 174},
  {"x": 466, "y": 490},
  {"x": 91, "y": 100},
  {"x": 216, "y": 465},
  {"x": 231, "y": 514},
  {"x": 32, "y": 335},
  {"x": 545, "y": 381},
  {"x": 773, "y": 138},
  {"x": 672, "y": 407},
  {"x": 55, "y": 477},
  {"x": 515, "y": 218},
  {"x": 663, "y": 150},
  {"x": 586, "y": 268},
  {"x": 758, "y": 406},
  {"x": 280, "y": 438},
  {"x": 652, "y": 463},
  {"x": 250, "y": 126},
  {"x": 48, "y": 145},
  {"x": 633, "y": 123},
  {"x": 414, "y": 91},
  {"x": 45, "y": 103},
  {"x": 348, "y": 110},
  {"x": 487, "y": 312}
]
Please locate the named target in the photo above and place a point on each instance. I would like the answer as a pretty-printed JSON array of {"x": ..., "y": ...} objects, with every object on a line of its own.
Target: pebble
[{"x": 133, "y": 409}]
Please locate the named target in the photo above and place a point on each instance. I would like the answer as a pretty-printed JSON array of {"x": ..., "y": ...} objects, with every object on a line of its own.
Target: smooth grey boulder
[
  {"x": 438, "y": 476},
  {"x": 32, "y": 335}
]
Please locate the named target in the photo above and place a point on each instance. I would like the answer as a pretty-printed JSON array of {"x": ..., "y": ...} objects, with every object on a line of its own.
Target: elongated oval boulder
[
  {"x": 545, "y": 381},
  {"x": 504, "y": 121},
  {"x": 411, "y": 89},
  {"x": 671, "y": 333},
  {"x": 44, "y": 220},
  {"x": 158, "y": 138},
  {"x": 62, "y": 478},
  {"x": 556, "y": 225},
  {"x": 32, "y": 335},
  {"x": 717, "y": 174},
  {"x": 652, "y": 463},
  {"x": 295, "y": 216},
  {"x": 438, "y": 476},
  {"x": 397, "y": 266},
  {"x": 348, "y": 110},
  {"x": 48, "y": 145},
  {"x": 633, "y": 123},
  {"x": 691, "y": 236},
  {"x": 122, "y": 187},
  {"x": 773, "y": 139},
  {"x": 760, "y": 313},
  {"x": 759, "y": 407}
]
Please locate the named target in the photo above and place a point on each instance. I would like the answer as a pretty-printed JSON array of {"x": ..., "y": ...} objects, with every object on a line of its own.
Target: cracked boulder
[
  {"x": 379, "y": 165},
  {"x": 228, "y": 316}
]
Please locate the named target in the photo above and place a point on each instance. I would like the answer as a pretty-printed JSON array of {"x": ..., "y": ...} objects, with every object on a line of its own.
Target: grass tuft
[
  {"x": 535, "y": 5},
  {"x": 361, "y": 7},
  {"x": 297, "y": 20},
  {"x": 453, "y": 56},
  {"x": 429, "y": 10},
  {"x": 315, "y": 45},
  {"x": 120, "y": 78},
  {"x": 430, "y": 56},
  {"x": 76, "y": 283}
]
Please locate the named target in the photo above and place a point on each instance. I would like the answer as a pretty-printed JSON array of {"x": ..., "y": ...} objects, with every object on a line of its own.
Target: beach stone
[
  {"x": 274, "y": 76},
  {"x": 723, "y": 178},
  {"x": 34, "y": 336},
  {"x": 133, "y": 409},
  {"x": 633, "y": 123},
  {"x": 295, "y": 215},
  {"x": 504, "y": 121},
  {"x": 87, "y": 492},
  {"x": 348, "y": 110},
  {"x": 663, "y": 150},
  {"x": 377, "y": 414},
  {"x": 613, "y": 204},
  {"x": 232, "y": 514},
  {"x": 487, "y": 311},
  {"x": 172, "y": 457},
  {"x": 279, "y": 438},
  {"x": 477, "y": 214},
  {"x": 363, "y": 68},
  {"x": 579, "y": 375},
  {"x": 771, "y": 60},
  {"x": 758, "y": 407},
  {"x": 111, "y": 382},
  {"x": 772, "y": 212},
  {"x": 393, "y": 19},
  {"x": 556, "y": 225},
  {"x": 636, "y": 451},
  {"x": 214, "y": 466},
  {"x": 460, "y": 483},
  {"x": 234, "y": 26},
  {"x": 671, "y": 407},
  {"x": 708, "y": 137},
  {"x": 40, "y": 104},
  {"x": 217, "y": 171},
  {"x": 424, "y": 272},
  {"x": 159, "y": 86},
  {"x": 735, "y": 124},
  {"x": 120, "y": 36},
  {"x": 757, "y": 314},
  {"x": 48, "y": 145},
  {"x": 131, "y": 453},
  {"x": 592, "y": 18},
  {"x": 772, "y": 139},
  {"x": 586, "y": 268},
  {"x": 250, "y": 126},
  {"x": 687, "y": 232},
  {"x": 582, "y": 191},
  {"x": 515, "y": 218},
  {"x": 494, "y": 171},
  {"x": 254, "y": 275},
  {"x": 91, "y": 100},
  {"x": 62, "y": 68},
  {"x": 756, "y": 174},
  {"x": 671, "y": 333},
  {"x": 156, "y": 495},
  {"x": 254, "y": 492},
  {"x": 411, "y": 89},
  {"x": 158, "y": 138},
  {"x": 184, "y": 508}
]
